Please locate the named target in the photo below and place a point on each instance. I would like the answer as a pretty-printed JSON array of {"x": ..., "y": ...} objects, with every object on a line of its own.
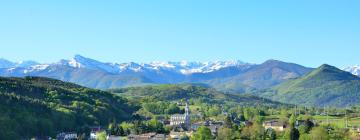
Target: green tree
[
  {"x": 319, "y": 133},
  {"x": 172, "y": 109},
  {"x": 254, "y": 132},
  {"x": 271, "y": 134},
  {"x": 305, "y": 136},
  {"x": 292, "y": 120},
  {"x": 225, "y": 133},
  {"x": 228, "y": 122},
  {"x": 291, "y": 133},
  {"x": 302, "y": 129},
  {"x": 184, "y": 137},
  {"x": 112, "y": 128},
  {"x": 248, "y": 114},
  {"x": 203, "y": 133},
  {"x": 156, "y": 126},
  {"x": 101, "y": 135},
  {"x": 259, "y": 119}
]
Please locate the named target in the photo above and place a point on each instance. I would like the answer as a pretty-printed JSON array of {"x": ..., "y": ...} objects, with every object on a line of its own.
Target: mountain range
[
  {"x": 235, "y": 76},
  {"x": 273, "y": 79}
]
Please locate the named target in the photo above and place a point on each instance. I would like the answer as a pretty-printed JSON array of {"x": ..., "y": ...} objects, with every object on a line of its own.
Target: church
[{"x": 181, "y": 119}]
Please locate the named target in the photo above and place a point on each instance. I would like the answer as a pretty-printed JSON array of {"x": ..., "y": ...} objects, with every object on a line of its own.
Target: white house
[{"x": 66, "y": 136}]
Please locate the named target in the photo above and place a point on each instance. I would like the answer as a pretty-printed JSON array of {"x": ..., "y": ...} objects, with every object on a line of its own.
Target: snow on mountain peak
[
  {"x": 78, "y": 61},
  {"x": 26, "y": 64},
  {"x": 186, "y": 67},
  {"x": 353, "y": 69},
  {"x": 22, "y": 64}
]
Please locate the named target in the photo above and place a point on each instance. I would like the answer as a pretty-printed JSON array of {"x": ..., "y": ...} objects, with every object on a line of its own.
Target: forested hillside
[
  {"x": 169, "y": 92},
  {"x": 35, "y": 107},
  {"x": 325, "y": 86}
]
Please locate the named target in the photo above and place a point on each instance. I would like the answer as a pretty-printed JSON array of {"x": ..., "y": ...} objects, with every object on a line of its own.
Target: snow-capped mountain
[
  {"x": 353, "y": 69},
  {"x": 237, "y": 75},
  {"x": 186, "y": 67},
  {"x": 182, "y": 67},
  {"x": 24, "y": 64}
]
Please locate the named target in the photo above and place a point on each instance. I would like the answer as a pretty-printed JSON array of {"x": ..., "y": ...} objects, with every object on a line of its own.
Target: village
[{"x": 183, "y": 128}]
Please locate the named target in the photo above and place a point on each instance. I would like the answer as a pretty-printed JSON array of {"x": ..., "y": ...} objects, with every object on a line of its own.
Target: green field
[
  {"x": 337, "y": 121},
  {"x": 323, "y": 120}
]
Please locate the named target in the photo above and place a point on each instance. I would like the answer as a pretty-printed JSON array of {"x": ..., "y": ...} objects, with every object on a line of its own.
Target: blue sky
[{"x": 307, "y": 32}]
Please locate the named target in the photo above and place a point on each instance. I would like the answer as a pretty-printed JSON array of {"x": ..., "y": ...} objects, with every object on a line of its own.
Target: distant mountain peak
[
  {"x": 273, "y": 62},
  {"x": 325, "y": 85},
  {"x": 327, "y": 66},
  {"x": 330, "y": 73}
]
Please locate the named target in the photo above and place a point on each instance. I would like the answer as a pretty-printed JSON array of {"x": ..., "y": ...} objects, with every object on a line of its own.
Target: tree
[
  {"x": 259, "y": 119},
  {"x": 225, "y": 133},
  {"x": 255, "y": 132},
  {"x": 309, "y": 125},
  {"x": 291, "y": 133},
  {"x": 305, "y": 137},
  {"x": 120, "y": 131},
  {"x": 228, "y": 122},
  {"x": 248, "y": 114},
  {"x": 172, "y": 109},
  {"x": 112, "y": 128},
  {"x": 319, "y": 133},
  {"x": 101, "y": 135},
  {"x": 184, "y": 137},
  {"x": 302, "y": 129},
  {"x": 271, "y": 134},
  {"x": 156, "y": 126},
  {"x": 203, "y": 133},
  {"x": 292, "y": 120}
]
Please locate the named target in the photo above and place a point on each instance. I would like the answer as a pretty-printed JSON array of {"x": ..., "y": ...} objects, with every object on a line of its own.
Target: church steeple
[{"x": 187, "y": 109}]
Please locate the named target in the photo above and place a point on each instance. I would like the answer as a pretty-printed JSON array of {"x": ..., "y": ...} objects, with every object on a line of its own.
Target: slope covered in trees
[
  {"x": 326, "y": 85},
  {"x": 170, "y": 92},
  {"x": 35, "y": 107}
]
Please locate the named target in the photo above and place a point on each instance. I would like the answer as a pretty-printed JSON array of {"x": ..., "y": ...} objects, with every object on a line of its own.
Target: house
[
  {"x": 114, "y": 138},
  {"x": 214, "y": 128},
  {"x": 181, "y": 119},
  {"x": 195, "y": 126},
  {"x": 275, "y": 125},
  {"x": 212, "y": 125},
  {"x": 356, "y": 130},
  {"x": 94, "y": 131},
  {"x": 147, "y": 136},
  {"x": 177, "y": 135},
  {"x": 247, "y": 123},
  {"x": 66, "y": 136}
]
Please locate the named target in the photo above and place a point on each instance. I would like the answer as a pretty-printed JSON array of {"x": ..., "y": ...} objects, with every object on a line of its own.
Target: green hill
[
  {"x": 35, "y": 106},
  {"x": 325, "y": 86},
  {"x": 169, "y": 92}
]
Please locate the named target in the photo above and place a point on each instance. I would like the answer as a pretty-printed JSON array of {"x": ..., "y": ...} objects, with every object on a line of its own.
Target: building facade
[{"x": 181, "y": 119}]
